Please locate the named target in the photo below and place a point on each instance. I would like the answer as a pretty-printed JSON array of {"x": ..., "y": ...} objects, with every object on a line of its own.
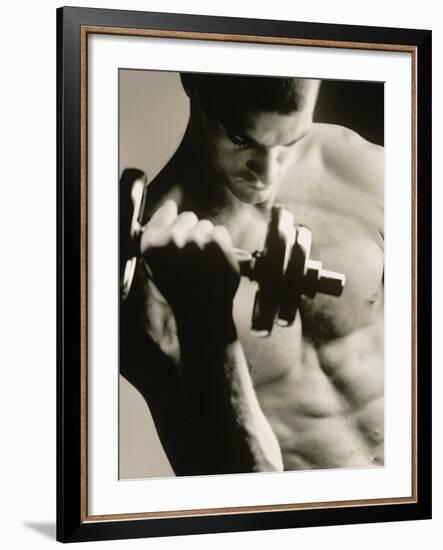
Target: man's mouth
[{"x": 251, "y": 181}]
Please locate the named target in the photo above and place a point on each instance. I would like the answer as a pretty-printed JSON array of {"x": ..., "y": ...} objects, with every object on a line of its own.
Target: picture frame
[{"x": 75, "y": 210}]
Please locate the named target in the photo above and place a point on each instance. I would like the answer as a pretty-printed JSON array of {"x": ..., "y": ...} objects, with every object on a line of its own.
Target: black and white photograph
[
  {"x": 251, "y": 282},
  {"x": 244, "y": 238}
]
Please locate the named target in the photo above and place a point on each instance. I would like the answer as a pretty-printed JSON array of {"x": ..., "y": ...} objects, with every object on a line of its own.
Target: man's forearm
[
  {"x": 228, "y": 430},
  {"x": 203, "y": 404}
]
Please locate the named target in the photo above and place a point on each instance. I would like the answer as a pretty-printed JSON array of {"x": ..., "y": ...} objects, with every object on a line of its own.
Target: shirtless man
[{"x": 310, "y": 395}]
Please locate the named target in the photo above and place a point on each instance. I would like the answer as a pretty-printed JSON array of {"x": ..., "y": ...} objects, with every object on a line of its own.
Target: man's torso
[{"x": 320, "y": 381}]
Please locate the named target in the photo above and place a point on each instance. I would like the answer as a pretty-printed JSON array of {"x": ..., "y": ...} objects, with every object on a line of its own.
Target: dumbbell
[{"x": 283, "y": 270}]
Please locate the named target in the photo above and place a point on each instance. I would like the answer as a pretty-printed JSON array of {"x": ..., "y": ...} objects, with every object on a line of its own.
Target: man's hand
[{"x": 192, "y": 264}]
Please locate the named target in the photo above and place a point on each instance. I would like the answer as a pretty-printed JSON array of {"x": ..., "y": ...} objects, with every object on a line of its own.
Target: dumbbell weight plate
[
  {"x": 270, "y": 270},
  {"x": 293, "y": 283},
  {"x": 132, "y": 191}
]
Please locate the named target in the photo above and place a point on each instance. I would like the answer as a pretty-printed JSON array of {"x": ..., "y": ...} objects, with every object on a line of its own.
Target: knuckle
[
  {"x": 177, "y": 237},
  {"x": 168, "y": 208},
  {"x": 152, "y": 239},
  {"x": 220, "y": 229},
  {"x": 188, "y": 216},
  {"x": 148, "y": 239},
  {"x": 220, "y": 232},
  {"x": 205, "y": 225}
]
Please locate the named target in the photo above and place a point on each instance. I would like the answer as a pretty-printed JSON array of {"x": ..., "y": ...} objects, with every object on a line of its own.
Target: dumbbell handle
[
  {"x": 316, "y": 278},
  {"x": 246, "y": 262},
  {"x": 325, "y": 281}
]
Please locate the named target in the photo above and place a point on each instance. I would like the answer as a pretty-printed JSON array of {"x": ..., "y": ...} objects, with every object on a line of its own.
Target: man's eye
[{"x": 238, "y": 141}]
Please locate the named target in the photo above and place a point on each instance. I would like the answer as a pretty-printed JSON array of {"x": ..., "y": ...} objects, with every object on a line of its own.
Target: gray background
[{"x": 153, "y": 116}]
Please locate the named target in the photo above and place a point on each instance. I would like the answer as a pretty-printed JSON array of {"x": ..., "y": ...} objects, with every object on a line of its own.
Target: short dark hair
[{"x": 228, "y": 98}]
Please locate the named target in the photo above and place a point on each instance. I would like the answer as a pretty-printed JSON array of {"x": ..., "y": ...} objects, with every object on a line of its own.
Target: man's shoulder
[
  {"x": 166, "y": 185},
  {"x": 342, "y": 136},
  {"x": 350, "y": 157}
]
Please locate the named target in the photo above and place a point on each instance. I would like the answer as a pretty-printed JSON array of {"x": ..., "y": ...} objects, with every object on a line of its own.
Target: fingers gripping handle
[{"x": 133, "y": 191}]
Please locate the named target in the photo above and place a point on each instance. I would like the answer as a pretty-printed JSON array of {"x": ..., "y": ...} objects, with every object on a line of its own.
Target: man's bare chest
[
  {"x": 343, "y": 242},
  {"x": 346, "y": 239}
]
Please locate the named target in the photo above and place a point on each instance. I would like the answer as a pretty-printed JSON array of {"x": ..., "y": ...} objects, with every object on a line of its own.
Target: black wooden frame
[{"x": 72, "y": 525}]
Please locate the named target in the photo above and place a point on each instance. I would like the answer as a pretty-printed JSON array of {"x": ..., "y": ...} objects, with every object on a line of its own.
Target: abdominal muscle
[{"x": 324, "y": 401}]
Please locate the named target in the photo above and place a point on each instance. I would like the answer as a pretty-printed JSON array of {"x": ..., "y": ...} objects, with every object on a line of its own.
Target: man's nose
[{"x": 265, "y": 164}]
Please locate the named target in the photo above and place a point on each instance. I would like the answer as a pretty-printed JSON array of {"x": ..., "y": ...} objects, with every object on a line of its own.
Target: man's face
[{"x": 252, "y": 158}]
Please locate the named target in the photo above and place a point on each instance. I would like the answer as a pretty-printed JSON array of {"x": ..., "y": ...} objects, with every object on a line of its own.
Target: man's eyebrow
[
  {"x": 239, "y": 134},
  {"x": 245, "y": 137}
]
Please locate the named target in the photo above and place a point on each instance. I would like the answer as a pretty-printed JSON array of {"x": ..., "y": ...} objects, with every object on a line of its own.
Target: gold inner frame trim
[
  {"x": 276, "y": 40},
  {"x": 84, "y": 32}
]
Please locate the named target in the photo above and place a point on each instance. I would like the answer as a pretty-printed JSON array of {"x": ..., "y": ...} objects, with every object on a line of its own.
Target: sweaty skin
[{"x": 319, "y": 383}]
